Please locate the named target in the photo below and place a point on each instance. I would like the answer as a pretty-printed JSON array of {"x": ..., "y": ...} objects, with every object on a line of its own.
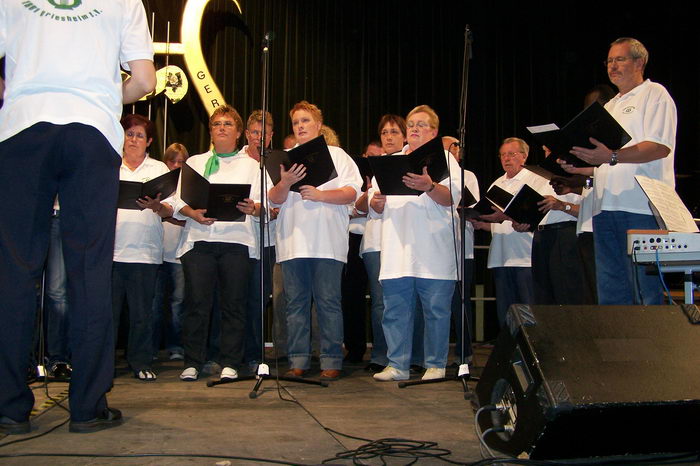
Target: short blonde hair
[
  {"x": 256, "y": 117},
  {"x": 309, "y": 107},
  {"x": 173, "y": 151},
  {"x": 433, "y": 119}
]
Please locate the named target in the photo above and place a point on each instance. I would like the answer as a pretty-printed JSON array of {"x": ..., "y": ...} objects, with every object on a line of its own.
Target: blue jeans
[
  {"x": 319, "y": 279},
  {"x": 378, "y": 356},
  {"x": 619, "y": 280},
  {"x": 400, "y": 295},
  {"x": 254, "y": 318},
  {"x": 170, "y": 283},
  {"x": 56, "y": 302},
  {"x": 513, "y": 286}
]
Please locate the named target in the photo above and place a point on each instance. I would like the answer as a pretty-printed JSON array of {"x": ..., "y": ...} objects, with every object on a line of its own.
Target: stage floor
[{"x": 177, "y": 418}]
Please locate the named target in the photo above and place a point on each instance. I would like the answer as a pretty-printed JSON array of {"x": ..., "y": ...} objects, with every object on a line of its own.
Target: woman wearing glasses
[
  {"x": 419, "y": 240},
  {"x": 214, "y": 254},
  {"x": 138, "y": 247},
  {"x": 392, "y": 133}
]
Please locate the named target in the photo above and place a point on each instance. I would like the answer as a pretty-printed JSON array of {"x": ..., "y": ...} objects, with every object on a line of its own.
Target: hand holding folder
[
  {"x": 315, "y": 158},
  {"x": 390, "y": 170},
  {"x": 221, "y": 201},
  {"x": 131, "y": 191},
  {"x": 593, "y": 122}
]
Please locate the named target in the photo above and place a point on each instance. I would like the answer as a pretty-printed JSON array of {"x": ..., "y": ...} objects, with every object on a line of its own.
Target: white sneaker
[
  {"x": 228, "y": 373},
  {"x": 390, "y": 373},
  {"x": 434, "y": 373},
  {"x": 189, "y": 375}
]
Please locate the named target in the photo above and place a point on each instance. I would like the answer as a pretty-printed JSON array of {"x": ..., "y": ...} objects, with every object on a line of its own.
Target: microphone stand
[
  {"x": 263, "y": 372},
  {"x": 463, "y": 374}
]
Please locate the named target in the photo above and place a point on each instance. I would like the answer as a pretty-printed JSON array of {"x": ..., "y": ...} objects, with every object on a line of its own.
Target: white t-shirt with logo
[
  {"x": 647, "y": 113},
  {"x": 62, "y": 62}
]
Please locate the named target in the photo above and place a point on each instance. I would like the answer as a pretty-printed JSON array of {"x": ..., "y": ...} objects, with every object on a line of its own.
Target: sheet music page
[
  {"x": 542, "y": 128},
  {"x": 664, "y": 198}
]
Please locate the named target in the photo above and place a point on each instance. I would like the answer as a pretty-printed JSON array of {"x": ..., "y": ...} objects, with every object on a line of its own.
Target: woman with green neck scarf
[{"x": 215, "y": 253}]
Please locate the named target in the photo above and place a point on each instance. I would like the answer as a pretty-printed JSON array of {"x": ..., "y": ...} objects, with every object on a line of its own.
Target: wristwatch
[
  {"x": 613, "y": 158},
  {"x": 567, "y": 207},
  {"x": 432, "y": 186}
]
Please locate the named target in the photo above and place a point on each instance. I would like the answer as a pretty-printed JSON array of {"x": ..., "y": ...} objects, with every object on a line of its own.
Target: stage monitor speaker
[{"x": 584, "y": 381}]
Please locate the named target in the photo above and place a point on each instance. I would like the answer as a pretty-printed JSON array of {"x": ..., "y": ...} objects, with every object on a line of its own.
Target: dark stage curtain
[{"x": 358, "y": 60}]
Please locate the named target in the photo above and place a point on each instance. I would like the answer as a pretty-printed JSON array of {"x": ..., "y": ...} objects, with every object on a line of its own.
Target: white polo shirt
[
  {"x": 419, "y": 237},
  {"x": 318, "y": 230},
  {"x": 239, "y": 169},
  {"x": 647, "y": 113},
  {"x": 139, "y": 233},
  {"x": 510, "y": 248}
]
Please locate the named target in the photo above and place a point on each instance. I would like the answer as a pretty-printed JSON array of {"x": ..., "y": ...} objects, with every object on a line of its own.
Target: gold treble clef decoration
[{"x": 191, "y": 50}]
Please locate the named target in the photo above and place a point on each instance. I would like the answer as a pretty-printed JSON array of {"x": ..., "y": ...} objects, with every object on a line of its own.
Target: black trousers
[
  {"x": 76, "y": 162},
  {"x": 354, "y": 290},
  {"x": 226, "y": 267},
  {"x": 557, "y": 271},
  {"x": 135, "y": 283}
]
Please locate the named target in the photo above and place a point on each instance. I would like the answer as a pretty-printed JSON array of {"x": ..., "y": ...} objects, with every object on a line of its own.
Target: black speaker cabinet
[{"x": 584, "y": 381}]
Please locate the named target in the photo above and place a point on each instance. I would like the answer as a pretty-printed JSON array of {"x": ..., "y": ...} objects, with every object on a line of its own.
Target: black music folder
[
  {"x": 594, "y": 122},
  {"x": 390, "y": 169},
  {"x": 495, "y": 196},
  {"x": 219, "y": 199},
  {"x": 548, "y": 169},
  {"x": 365, "y": 170},
  {"x": 523, "y": 208},
  {"x": 130, "y": 191},
  {"x": 314, "y": 155}
]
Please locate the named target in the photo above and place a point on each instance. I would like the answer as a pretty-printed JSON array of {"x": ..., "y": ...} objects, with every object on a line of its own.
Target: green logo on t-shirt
[{"x": 65, "y": 4}]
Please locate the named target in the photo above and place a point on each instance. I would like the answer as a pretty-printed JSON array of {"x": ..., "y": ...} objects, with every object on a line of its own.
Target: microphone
[{"x": 267, "y": 39}]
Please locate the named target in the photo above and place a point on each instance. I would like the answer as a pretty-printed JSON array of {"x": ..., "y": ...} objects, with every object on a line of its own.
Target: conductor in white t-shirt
[{"x": 60, "y": 134}]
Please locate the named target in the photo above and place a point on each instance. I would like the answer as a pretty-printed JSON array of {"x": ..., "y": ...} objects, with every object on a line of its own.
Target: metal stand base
[{"x": 262, "y": 375}]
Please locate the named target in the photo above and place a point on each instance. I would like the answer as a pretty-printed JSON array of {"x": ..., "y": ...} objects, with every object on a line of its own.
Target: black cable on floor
[{"x": 152, "y": 455}]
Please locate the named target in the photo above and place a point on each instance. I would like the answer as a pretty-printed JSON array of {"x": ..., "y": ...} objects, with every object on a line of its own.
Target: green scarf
[{"x": 212, "y": 165}]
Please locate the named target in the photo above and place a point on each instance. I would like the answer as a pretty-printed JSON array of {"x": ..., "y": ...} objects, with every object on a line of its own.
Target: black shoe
[
  {"x": 11, "y": 427},
  {"x": 61, "y": 371},
  {"x": 110, "y": 417},
  {"x": 374, "y": 367}
]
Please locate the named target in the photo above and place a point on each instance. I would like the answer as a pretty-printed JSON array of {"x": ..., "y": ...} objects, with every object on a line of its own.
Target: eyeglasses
[
  {"x": 227, "y": 124},
  {"x": 503, "y": 155},
  {"x": 617, "y": 60},
  {"x": 133, "y": 134},
  {"x": 393, "y": 132},
  {"x": 420, "y": 124}
]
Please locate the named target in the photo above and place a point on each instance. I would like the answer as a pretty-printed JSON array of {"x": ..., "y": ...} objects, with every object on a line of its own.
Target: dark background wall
[{"x": 532, "y": 64}]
